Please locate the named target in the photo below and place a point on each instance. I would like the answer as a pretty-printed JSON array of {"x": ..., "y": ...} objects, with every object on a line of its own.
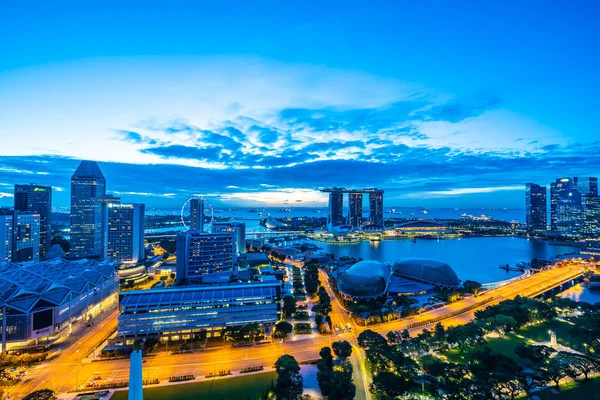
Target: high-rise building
[
  {"x": 587, "y": 185},
  {"x": 565, "y": 207},
  {"x": 591, "y": 215},
  {"x": 37, "y": 199},
  {"x": 536, "y": 208},
  {"x": 197, "y": 215},
  {"x": 24, "y": 235},
  {"x": 355, "y": 210},
  {"x": 200, "y": 254},
  {"x": 87, "y": 186},
  {"x": 124, "y": 232},
  {"x": 6, "y": 236},
  {"x": 238, "y": 230},
  {"x": 376, "y": 208},
  {"x": 335, "y": 215}
]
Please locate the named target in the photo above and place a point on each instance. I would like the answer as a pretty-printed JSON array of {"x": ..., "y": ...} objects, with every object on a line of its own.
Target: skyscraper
[
  {"x": 355, "y": 210},
  {"x": 591, "y": 215},
  {"x": 376, "y": 208},
  {"x": 197, "y": 215},
  {"x": 335, "y": 215},
  {"x": 6, "y": 236},
  {"x": 238, "y": 230},
  {"x": 37, "y": 199},
  {"x": 124, "y": 232},
  {"x": 87, "y": 185},
  {"x": 23, "y": 236},
  {"x": 535, "y": 208},
  {"x": 587, "y": 185},
  {"x": 200, "y": 254}
]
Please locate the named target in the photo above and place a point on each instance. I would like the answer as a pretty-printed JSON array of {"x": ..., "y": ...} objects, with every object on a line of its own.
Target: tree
[
  {"x": 289, "y": 305},
  {"x": 369, "y": 339},
  {"x": 342, "y": 387},
  {"x": 394, "y": 337},
  {"x": 289, "y": 381},
  {"x": 43, "y": 394},
  {"x": 472, "y": 287},
  {"x": 282, "y": 329},
  {"x": 405, "y": 334},
  {"x": 535, "y": 354},
  {"x": 501, "y": 324},
  {"x": 251, "y": 329},
  {"x": 387, "y": 385},
  {"x": 579, "y": 364},
  {"x": 531, "y": 379},
  {"x": 342, "y": 349},
  {"x": 555, "y": 371},
  {"x": 326, "y": 358}
]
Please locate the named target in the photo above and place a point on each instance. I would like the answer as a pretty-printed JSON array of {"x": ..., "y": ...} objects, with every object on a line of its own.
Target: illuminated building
[
  {"x": 40, "y": 299},
  {"x": 238, "y": 230},
  {"x": 591, "y": 215},
  {"x": 179, "y": 312},
  {"x": 124, "y": 232},
  {"x": 335, "y": 215},
  {"x": 355, "y": 210},
  {"x": 197, "y": 215},
  {"x": 200, "y": 254},
  {"x": 536, "y": 208},
  {"x": 37, "y": 199},
  {"x": 23, "y": 236},
  {"x": 376, "y": 208},
  {"x": 573, "y": 207},
  {"x": 87, "y": 185}
]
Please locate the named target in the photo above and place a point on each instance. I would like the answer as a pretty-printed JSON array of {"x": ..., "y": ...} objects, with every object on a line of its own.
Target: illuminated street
[{"x": 68, "y": 370}]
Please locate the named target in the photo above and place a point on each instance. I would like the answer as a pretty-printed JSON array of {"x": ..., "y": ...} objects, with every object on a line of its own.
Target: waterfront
[
  {"x": 580, "y": 292},
  {"x": 476, "y": 259}
]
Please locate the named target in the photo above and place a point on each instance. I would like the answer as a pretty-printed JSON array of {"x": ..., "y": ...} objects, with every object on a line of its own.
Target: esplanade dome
[
  {"x": 365, "y": 279},
  {"x": 425, "y": 270}
]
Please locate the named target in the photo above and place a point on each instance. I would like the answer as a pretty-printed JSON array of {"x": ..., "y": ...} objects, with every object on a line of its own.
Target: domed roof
[
  {"x": 364, "y": 279},
  {"x": 429, "y": 271}
]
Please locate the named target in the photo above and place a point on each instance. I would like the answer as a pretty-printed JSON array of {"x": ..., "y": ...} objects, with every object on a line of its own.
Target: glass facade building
[
  {"x": 238, "y": 230},
  {"x": 197, "y": 215},
  {"x": 124, "y": 232},
  {"x": 573, "y": 204},
  {"x": 355, "y": 203},
  {"x": 335, "y": 215},
  {"x": 87, "y": 186},
  {"x": 179, "y": 312},
  {"x": 591, "y": 216},
  {"x": 23, "y": 236},
  {"x": 536, "y": 208},
  {"x": 376, "y": 208},
  {"x": 200, "y": 254},
  {"x": 37, "y": 199},
  {"x": 6, "y": 236}
]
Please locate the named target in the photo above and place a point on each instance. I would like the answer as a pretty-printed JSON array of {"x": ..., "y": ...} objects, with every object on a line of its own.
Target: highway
[{"x": 69, "y": 371}]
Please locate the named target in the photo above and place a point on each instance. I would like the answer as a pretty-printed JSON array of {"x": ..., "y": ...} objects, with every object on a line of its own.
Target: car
[{"x": 97, "y": 378}]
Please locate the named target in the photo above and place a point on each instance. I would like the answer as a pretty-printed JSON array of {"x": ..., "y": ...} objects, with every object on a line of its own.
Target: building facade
[
  {"x": 87, "y": 186},
  {"x": 591, "y": 215},
  {"x": 200, "y": 254},
  {"x": 335, "y": 216},
  {"x": 178, "y": 313},
  {"x": 536, "y": 208},
  {"x": 197, "y": 215},
  {"x": 376, "y": 208},
  {"x": 24, "y": 235},
  {"x": 37, "y": 199},
  {"x": 124, "y": 232},
  {"x": 355, "y": 211},
  {"x": 238, "y": 230},
  {"x": 573, "y": 206},
  {"x": 40, "y": 299}
]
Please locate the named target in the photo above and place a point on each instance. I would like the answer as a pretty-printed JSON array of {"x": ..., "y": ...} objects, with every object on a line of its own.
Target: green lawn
[
  {"x": 239, "y": 388},
  {"x": 575, "y": 391},
  {"x": 539, "y": 333}
]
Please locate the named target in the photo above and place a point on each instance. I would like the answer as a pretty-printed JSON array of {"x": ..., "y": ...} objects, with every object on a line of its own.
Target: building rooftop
[
  {"x": 365, "y": 279},
  {"x": 428, "y": 271},
  {"x": 88, "y": 169}
]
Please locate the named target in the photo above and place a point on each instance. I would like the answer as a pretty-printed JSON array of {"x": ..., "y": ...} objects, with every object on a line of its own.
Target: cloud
[
  {"x": 4, "y": 194},
  {"x": 462, "y": 191}
]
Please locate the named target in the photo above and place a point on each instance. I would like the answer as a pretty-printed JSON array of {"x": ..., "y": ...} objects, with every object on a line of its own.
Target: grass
[
  {"x": 574, "y": 391},
  {"x": 505, "y": 345},
  {"x": 239, "y": 388},
  {"x": 539, "y": 333}
]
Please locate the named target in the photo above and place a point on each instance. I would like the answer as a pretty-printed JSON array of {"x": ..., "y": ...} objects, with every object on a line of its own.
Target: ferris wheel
[{"x": 207, "y": 207}]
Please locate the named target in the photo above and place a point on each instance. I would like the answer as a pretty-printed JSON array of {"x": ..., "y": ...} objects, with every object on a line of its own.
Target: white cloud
[{"x": 461, "y": 192}]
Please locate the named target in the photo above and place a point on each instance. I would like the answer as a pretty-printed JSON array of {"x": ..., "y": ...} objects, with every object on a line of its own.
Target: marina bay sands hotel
[{"x": 354, "y": 220}]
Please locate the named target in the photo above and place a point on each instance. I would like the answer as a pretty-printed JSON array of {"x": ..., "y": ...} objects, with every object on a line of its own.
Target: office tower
[
  {"x": 37, "y": 199},
  {"x": 376, "y": 208},
  {"x": 587, "y": 185},
  {"x": 24, "y": 235},
  {"x": 6, "y": 236},
  {"x": 238, "y": 230},
  {"x": 200, "y": 254},
  {"x": 197, "y": 215},
  {"x": 535, "y": 207},
  {"x": 355, "y": 210},
  {"x": 565, "y": 207},
  {"x": 87, "y": 185},
  {"x": 335, "y": 216},
  {"x": 591, "y": 215},
  {"x": 124, "y": 232}
]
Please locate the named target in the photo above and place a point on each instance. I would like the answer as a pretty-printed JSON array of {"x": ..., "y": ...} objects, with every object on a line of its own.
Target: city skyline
[{"x": 253, "y": 118}]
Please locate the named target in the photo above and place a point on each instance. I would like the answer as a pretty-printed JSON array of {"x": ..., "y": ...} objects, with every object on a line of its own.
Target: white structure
[{"x": 135, "y": 376}]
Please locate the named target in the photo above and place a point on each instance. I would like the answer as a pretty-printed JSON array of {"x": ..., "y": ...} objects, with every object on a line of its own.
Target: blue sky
[{"x": 441, "y": 104}]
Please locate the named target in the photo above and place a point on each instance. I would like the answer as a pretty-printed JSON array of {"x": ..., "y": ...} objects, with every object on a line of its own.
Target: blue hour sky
[{"x": 442, "y": 104}]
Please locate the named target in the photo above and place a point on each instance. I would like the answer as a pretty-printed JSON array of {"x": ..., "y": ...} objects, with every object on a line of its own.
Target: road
[{"x": 69, "y": 371}]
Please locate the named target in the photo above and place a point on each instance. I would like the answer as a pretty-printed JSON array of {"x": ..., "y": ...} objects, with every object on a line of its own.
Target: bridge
[{"x": 248, "y": 234}]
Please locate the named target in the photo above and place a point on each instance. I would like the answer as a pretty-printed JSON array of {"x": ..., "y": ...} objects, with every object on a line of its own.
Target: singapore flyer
[{"x": 208, "y": 213}]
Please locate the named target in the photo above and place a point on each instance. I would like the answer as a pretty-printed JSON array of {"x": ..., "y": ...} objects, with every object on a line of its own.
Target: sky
[{"x": 441, "y": 104}]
